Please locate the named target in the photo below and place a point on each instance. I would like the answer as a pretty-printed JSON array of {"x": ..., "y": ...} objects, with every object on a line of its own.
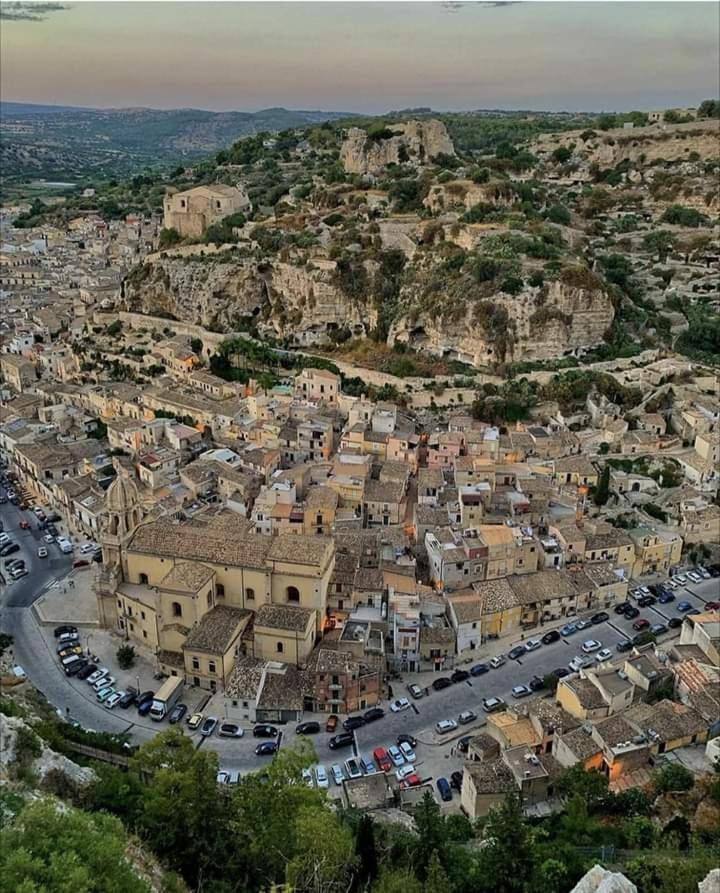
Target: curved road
[{"x": 76, "y": 699}]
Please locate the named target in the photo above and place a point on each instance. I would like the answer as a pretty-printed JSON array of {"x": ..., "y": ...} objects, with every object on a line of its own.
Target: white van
[{"x": 65, "y": 545}]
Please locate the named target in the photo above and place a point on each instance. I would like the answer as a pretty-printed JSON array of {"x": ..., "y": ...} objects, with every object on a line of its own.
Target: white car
[
  {"x": 404, "y": 772},
  {"x": 338, "y": 774},
  {"x": 49, "y": 538},
  {"x": 696, "y": 578},
  {"x": 113, "y": 699},
  {"x": 579, "y": 663},
  {"x": 307, "y": 777},
  {"x": 591, "y": 645},
  {"x": 38, "y": 511},
  {"x": 104, "y": 682},
  {"x": 520, "y": 691},
  {"x": 497, "y": 662},
  {"x": 88, "y": 547},
  {"x": 64, "y": 545},
  {"x": 399, "y": 705},
  {"x": 222, "y": 777},
  {"x": 445, "y": 726},
  {"x": 681, "y": 579},
  {"x": 704, "y": 573},
  {"x": 98, "y": 674},
  {"x": 353, "y": 768},
  {"x": 42, "y": 552},
  {"x": 407, "y": 751},
  {"x": 395, "y": 755},
  {"x": 533, "y": 644},
  {"x": 321, "y": 777},
  {"x": 603, "y": 655}
]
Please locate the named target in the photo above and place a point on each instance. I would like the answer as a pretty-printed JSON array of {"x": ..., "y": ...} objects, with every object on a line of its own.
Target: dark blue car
[{"x": 443, "y": 786}]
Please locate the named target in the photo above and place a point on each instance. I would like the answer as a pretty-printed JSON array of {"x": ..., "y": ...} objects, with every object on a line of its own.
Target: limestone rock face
[
  {"x": 48, "y": 760},
  {"x": 600, "y": 880},
  {"x": 462, "y": 195},
  {"x": 412, "y": 142},
  {"x": 711, "y": 884},
  {"x": 540, "y": 324}
]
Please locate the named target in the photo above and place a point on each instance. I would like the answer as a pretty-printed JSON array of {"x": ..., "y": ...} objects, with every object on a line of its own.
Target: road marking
[
  {"x": 415, "y": 709},
  {"x": 468, "y": 682}
]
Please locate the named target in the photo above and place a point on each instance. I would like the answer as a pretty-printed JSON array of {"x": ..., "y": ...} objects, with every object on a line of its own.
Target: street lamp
[{"x": 87, "y": 643}]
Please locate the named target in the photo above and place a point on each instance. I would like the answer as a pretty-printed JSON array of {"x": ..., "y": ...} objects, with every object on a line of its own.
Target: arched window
[
  {"x": 279, "y": 647},
  {"x": 249, "y": 593},
  {"x": 177, "y": 609},
  {"x": 293, "y": 594},
  {"x": 144, "y": 579}
]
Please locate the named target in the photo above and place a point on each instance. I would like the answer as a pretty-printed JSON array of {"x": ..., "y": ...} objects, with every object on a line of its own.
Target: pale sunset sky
[{"x": 364, "y": 57}]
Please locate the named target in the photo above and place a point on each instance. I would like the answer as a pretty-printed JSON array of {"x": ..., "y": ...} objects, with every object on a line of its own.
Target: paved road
[{"x": 35, "y": 653}]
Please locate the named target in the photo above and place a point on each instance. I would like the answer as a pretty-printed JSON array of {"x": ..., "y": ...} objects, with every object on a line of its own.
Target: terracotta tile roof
[
  {"x": 587, "y": 694},
  {"x": 216, "y": 630},
  {"x": 668, "y": 718},
  {"x": 245, "y": 679},
  {"x": 491, "y": 777},
  {"x": 187, "y": 576},
  {"x": 299, "y": 549},
  {"x": 497, "y": 595},
  {"x": 581, "y": 743},
  {"x": 286, "y": 617}
]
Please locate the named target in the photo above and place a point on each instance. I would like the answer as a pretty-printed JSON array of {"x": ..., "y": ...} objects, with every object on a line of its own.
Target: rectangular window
[
  {"x": 195, "y": 664},
  {"x": 211, "y": 667}
]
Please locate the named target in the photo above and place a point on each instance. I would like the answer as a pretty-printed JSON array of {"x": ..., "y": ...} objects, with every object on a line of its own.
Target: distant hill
[{"x": 65, "y": 142}]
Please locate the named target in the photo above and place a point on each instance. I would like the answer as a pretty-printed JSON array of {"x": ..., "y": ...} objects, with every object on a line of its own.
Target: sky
[{"x": 366, "y": 57}]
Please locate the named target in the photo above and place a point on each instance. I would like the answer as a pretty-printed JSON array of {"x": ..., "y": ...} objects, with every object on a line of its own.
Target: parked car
[
  {"x": 104, "y": 682},
  {"x": 561, "y": 672},
  {"x": 517, "y": 652},
  {"x": 344, "y": 739},
  {"x": 603, "y": 655},
  {"x": 266, "y": 749},
  {"x": 464, "y": 743},
  {"x": 321, "y": 777},
  {"x": 98, "y": 674},
  {"x": 129, "y": 697},
  {"x": 552, "y": 636},
  {"x": 641, "y": 623},
  {"x": 66, "y": 650},
  {"x": 331, "y": 723},
  {"x": 445, "y": 726},
  {"x": 624, "y": 645},
  {"x": 467, "y": 716},
  {"x": 684, "y": 607},
  {"x": 353, "y": 722},
  {"x": 568, "y": 630},
  {"x": 337, "y": 773},
  {"x": 579, "y": 663},
  {"x": 666, "y": 597},
  {"x": 415, "y": 691},
  {"x": 632, "y": 612},
  {"x": 86, "y": 671},
  {"x": 9, "y": 549},
  {"x": 396, "y": 755},
  {"x": 675, "y": 623},
  {"x": 520, "y": 691},
  {"x": 177, "y": 713},
  {"x": 404, "y": 772},
  {"x": 643, "y": 638},
  {"x": 600, "y": 617},
  {"x": 492, "y": 705},
  {"x": 230, "y": 730},
  {"x": 407, "y": 751},
  {"x": 479, "y": 669},
  {"x": 497, "y": 661},
  {"x": 647, "y": 601},
  {"x": 712, "y": 606},
  {"x": 114, "y": 699},
  {"x": 208, "y": 727},
  {"x": 411, "y": 781},
  {"x": 307, "y": 728},
  {"x": 144, "y": 707},
  {"x": 373, "y": 714},
  {"x": 622, "y": 607},
  {"x": 441, "y": 682},
  {"x": 459, "y": 676},
  {"x": 398, "y": 705},
  {"x": 105, "y": 693},
  {"x": 74, "y": 668},
  {"x": 658, "y": 629},
  {"x": 533, "y": 644},
  {"x": 194, "y": 720},
  {"x": 537, "y": 683},
  {"x": 404, "y": 738},
  {"x": 382, "y": 758},
  {"x": 42, "y": 552},
  {"x": 145, "y": 697},
  {"x": 444, "y": 789},
  {"x": 456, "y": 780},
  {"x": 590, "y": 645},
  {"x": 65, "y": 629},
  {"x": 264, "y": 730},
  {"x": 353, "y": 768},
  {"x": 367, "y": 765}
]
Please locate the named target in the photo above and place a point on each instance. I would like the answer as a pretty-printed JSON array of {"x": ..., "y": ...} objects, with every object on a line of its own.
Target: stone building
[{"x": 193, "y": 211}]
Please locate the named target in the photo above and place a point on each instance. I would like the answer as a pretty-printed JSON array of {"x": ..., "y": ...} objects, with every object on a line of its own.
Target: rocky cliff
[
  {"x": 537, "y": 324},
  {"x": 412, "y": 142}
]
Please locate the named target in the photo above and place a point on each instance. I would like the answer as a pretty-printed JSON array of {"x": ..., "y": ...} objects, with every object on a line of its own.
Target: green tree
[
  {"x": 169, "y": 236},
  {"x": 509, "y": 856},
  {"x": 432, "y": 834},
  {"x": 591, "y": 784},
  {"x": 49, "y": 849},
  {"x": 639, "y": 832},
  {"x": 562, "y": 154},
  {"x": 366, "y": 850},
  {"x": 673, "y": 777},
  {"x": 324, "y": 852},
  {"x": 126, "y": 656},
  {"x": 559, "y": 214},
  {"x": 397, "y": 881},
  {"x": 552, "y": 877},
  {"x": 602, "y": 491},
  {"x": 437, "y": 880},
  {"x": 659, "y": 242}
]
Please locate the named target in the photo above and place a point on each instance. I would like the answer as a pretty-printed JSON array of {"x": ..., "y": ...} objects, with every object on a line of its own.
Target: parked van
[
  {"x": 65, "y": 545},
  {"x": 166, "y": 698}
]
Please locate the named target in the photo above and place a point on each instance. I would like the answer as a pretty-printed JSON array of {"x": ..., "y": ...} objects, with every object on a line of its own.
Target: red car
[
  {"x": 412, "y": 781},
  {"x": 712, "y": 606},
  {"x": 25, "y": 525},
  {"x": 642, "y": 623},
  {"x": 382, "y": 758}
]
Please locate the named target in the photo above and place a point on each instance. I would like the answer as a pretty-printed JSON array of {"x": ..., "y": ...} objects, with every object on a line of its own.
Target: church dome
[{"x": 122, "y": 494}]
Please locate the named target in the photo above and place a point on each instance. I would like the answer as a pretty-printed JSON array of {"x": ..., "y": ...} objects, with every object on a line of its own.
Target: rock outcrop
[
  {"x": 464, "y": 194},
  {"x": 600, "y": 880},
  {"x": 412, "y": 142},
  {"x": 48, "y": 760},
  {"x": 537, "y": 324}
]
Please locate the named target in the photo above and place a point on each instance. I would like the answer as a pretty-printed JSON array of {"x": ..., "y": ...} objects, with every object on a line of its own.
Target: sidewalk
[{"x": 69, "y": 599}]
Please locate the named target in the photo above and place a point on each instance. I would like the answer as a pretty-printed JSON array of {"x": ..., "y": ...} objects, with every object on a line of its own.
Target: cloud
[
  {"x": 452, "y": 6},
  {"x": 28, "y": 12},
  {"x": 498, "y": 4}
]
